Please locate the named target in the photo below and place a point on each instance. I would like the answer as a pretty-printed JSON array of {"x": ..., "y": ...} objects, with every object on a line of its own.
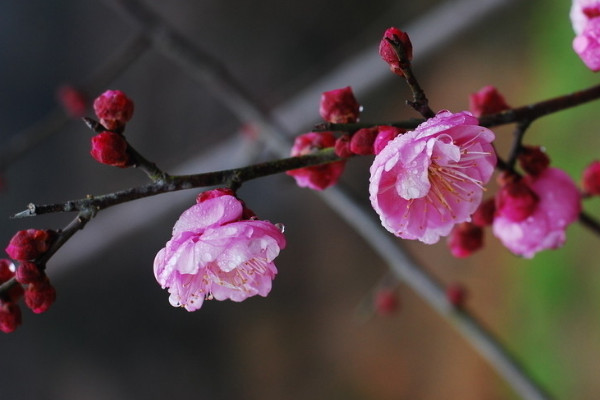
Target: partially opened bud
[
  {"x": 29, "y": 244},
  {"x": 464, "y": 239},
  {"x": 40, "y": 296},
  {"x": 516, "y": 200},
  {"x": 591, "y": 178},
  {"x": 111, "y": 149},
  {"x": 488, "y": 100},
  {"x": 114, "y": 109},
  {"x": 533, "y": 160},
  {"x": 362, "y": 141}
]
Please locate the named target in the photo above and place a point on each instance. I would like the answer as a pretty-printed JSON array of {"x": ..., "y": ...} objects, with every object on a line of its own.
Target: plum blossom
[
  {"x": 586, "y": 24},
  {"x": 215, "y": 253},
  {"x": 559, "y": 205},
  {"x": 427, "y": 180}
]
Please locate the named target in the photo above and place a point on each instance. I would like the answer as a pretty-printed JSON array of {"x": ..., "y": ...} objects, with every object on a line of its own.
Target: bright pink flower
[
  {"x": 559, "y": 205},
  {"x": 488, "y": 100},
  {"x": 386, "y": 134},
  {"x": 215, "y": 254},
  {"x": 427, "y": 180},
  {"x": 582, "y": 11},
  {"x": 317, "y": 177},
  {"x": 587, "y": 45},
  {"x": 339, "y": 106}
]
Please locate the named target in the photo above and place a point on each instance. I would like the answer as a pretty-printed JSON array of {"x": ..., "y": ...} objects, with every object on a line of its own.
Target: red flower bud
[
  {"x": 114, "y": 109},
  {"x": 342, "y": 146},
  {"x": 28, "y": 272},
  {"x": 464, "y": 239},
  {"x": 591, "y": 178},
  {"x": 29, "y": 244},
  {"x": 533, "y": 160},
  {"x": 362, "y": 141},
  {"x": 6, "y": 270},
  {"x": 487, "y": 101},
  {"x": 211, "y": 194},
  {"x": 72, "y": 100},
  {"x": 456, "y": 295},
  {"x": 389, "y": 54},
  {"x": 385, "y": 135},
  {"x": 484, "y": 215},
  {"x": 111, "y": 149},
  {"x": 40, "y": 296},
  {"x": 10, "y": 316},
  {"x": 339, "y": 106},
  {"x": 516, "y": 201},
  {"x": 386, "y": 302}
]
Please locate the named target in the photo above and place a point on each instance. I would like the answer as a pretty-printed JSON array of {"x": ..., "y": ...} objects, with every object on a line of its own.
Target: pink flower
[
  {"x": 587, "y": 45},
  {"x": 427, "y": 180},
  {"x": 317, "y": 177},
  {"x": 559, "y": 205},
  {"x": 215, "y": 254},
  {"x": 582, "y": 11}
]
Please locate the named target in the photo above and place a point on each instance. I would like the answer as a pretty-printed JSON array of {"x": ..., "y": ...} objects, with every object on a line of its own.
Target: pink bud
[
  {"x": 342, "y": 146},
  {"x": 484, "y": 215},
  {"x": 28, "y": 272},
  {"x": 533, "y": 159},
  {"x": 29, "y": 244},
  {"x": 591, "y": 178},
  {"x": 456, "y": 295},
  {"x": 10, "y": 316},
  {"x": 487, "y": 101},
  {"x": 211, "y": 194},
  {"x": 114, "y": 109},
  {"x": 388, "y": 53},
  {"x": 516, "y": 200},
  {"x": 111, "y": 149},
  {"x": 362, "y": 141},
  {"x": 40, "y": 296},
  {"x": 317, "y": 177},
  {"x": 464, "y": 239},
  {"x": 339, "y": 106},
  {"x": 72, "y": 100},
  {"x": 386, "y": 302},
  {"x": 385, "y": 135}
]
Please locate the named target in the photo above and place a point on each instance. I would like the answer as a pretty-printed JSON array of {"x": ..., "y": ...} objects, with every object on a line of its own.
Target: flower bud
[
  {"x": 39, "y": 296},
  {"x": 72, "y": 100},
  {"x": 464, "y": 239},
  {"x": 29, "y": 244},
  {"x": 591, "y": 178},
  {"x": 515, "y": 200},
  {"x": 10, "y": 316},
  {"x": 389, "y": 54},
  {"x": 362, "y": 141},
  {"x": 487, "y": 101},
  {"x": 211, "y": 194},
  {"x": 6, "y": 270},
  {"x": 386, "y": 302},
  {"x": 533, "y": 160},
  {"x": 342, "y": 146},
  {"x": 114, "y": 109},
  {"x": 28, "y": 272},
  {"x": 385, "y": 135},
  {"x": 456, "y": 295},
  {"x": 339, "y": 106},
  {"x": 111, "y": 149}
]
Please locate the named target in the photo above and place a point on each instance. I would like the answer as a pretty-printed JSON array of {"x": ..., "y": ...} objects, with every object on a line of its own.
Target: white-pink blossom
[
  {"x": 559, "y": 205},
  {"x": 427, "y": 180},
  {"x": 215, "y": 253},
  {"x": 585, "y": 18}
]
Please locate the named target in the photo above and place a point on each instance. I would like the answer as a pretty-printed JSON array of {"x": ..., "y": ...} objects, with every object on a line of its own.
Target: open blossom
[
  {"x": 317, "y": 177},
  {"x": 214, "y": 253},
  {"x": 559, "y": 205},
  {"x": 586, "y": 24},
  {"x": 427, "y": 180}
]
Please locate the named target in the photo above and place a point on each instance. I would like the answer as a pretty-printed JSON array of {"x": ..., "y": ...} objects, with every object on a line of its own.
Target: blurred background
[{"x": 112, "y": 333}]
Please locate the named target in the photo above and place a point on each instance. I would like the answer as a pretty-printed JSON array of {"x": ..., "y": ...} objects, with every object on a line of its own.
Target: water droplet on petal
[{"x": 280, "y": 226}]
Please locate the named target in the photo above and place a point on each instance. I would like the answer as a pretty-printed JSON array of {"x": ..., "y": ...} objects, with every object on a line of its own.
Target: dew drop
[{"x": 280, "y": 226}]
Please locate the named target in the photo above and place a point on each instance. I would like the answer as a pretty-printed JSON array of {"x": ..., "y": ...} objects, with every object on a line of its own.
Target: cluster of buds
[
  {"x": 114, "y": 109},
  {"x": 28, "y": 276}
]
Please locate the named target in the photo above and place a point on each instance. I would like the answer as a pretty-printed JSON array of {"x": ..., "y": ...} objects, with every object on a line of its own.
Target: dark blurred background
[{"x": 112, "y": 333}]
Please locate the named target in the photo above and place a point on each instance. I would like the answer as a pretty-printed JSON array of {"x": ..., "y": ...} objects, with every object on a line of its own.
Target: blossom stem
[
  {"x": 517, "y": 140},
  {"x": 182, "y": 182}
]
